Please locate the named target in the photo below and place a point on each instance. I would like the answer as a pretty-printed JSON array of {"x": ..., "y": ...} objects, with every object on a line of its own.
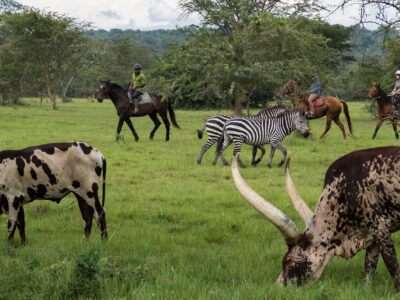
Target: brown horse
[
  {"x": 124, "y": 109},
  {"x": 385, "y": 108},
  {"x": 331, "y": 108}
]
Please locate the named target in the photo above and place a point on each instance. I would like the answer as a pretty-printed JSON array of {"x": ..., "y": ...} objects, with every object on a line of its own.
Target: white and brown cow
[
  {"x": 358, "y": 209},
  {"x": 52, "y": 171}
]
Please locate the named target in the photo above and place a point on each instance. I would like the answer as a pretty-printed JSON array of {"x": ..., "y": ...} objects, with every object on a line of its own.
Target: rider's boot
[{"x": 136, "y": 105}]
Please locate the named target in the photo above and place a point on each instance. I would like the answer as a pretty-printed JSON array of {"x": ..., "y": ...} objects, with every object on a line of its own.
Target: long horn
[
  {"x": 277, "y": 217},
  {"x": 300, "y": 206}
]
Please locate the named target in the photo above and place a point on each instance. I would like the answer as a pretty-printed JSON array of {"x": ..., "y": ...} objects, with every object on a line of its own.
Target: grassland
[{"x": 176, "y": 230}]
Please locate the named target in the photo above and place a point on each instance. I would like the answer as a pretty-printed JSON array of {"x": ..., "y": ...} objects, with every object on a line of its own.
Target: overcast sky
[{"x": 139, "y": 14}]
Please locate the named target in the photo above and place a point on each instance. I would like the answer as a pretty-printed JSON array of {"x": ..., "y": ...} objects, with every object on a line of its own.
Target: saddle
[
  {"x": 319, "y": 102},
  {"x": 144, "y": 98}
]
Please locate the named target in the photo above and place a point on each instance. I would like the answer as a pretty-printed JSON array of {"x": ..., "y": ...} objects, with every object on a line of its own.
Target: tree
[
  {"x": 380, "y": 12},
  {"x": 51, "y": 40}
]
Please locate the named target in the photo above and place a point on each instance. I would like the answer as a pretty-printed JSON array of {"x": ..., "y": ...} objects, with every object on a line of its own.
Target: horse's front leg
[
  {"x": 378, "y": 125},
  {"x": 119, "y": 127},
  {"x": 130, "y": 125},
  {"x": 394, "y": 124}
]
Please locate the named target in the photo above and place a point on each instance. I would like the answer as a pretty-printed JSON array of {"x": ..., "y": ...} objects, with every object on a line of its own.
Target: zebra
[
  {"x": 259, "y": 132},
  {"x": 215, "y": 126}
]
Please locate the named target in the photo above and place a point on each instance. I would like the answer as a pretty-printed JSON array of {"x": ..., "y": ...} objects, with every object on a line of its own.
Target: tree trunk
[
  {"x": 66, "y": 88},
  {"x": 48, "y": 83},
  {"x": 238, "y": 103},
  {"x": 1, "y": 99}
]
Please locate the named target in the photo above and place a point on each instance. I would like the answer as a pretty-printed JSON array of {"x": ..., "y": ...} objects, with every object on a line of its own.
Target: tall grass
[{"x": 177, "y": 230}]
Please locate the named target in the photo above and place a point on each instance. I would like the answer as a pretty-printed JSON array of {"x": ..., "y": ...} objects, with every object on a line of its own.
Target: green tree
[{"x": 49, "y": 39}]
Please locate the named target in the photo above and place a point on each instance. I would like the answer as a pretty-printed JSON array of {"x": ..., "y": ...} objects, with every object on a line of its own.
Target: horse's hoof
[
  {"x": 151, "y": 138},
  {"x": 136, "y": 139}
]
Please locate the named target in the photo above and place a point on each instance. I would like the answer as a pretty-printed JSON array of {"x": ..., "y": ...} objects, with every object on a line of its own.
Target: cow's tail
[
  {"x": 200, "y": 132},
  {"x": 346, "y": 113},
  {"x": 172, "y": 115},
  {"x": 104, "y": 180}
]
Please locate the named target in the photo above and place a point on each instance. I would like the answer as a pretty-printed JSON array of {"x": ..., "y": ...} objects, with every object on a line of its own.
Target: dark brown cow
[
  {"x": 51, "y": 172},
  {"x": 358, "y": 209}
]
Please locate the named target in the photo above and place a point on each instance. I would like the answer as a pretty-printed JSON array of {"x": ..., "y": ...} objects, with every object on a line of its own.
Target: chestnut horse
[
  {"x": 331, "y": 108},
  {"x": 385, "y": 108},
  {"x": 119, "y": 97}
]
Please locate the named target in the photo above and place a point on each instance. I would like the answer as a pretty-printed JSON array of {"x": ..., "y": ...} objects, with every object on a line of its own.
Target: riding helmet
[
  {"x": 397, "y": 72},
  {"x": 138, "y": 66}
]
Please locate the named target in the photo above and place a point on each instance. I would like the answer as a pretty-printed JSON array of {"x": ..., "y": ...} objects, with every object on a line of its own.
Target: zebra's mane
[{"x": 289, "y": 112}]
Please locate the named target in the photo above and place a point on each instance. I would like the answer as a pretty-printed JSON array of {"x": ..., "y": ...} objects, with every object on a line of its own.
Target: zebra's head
[{"x": 301, "y": 123}]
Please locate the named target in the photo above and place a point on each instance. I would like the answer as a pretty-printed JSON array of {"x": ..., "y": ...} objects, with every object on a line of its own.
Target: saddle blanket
[
  {"x": 319, "y": 102},
  {"x": 145, "y": 98}
]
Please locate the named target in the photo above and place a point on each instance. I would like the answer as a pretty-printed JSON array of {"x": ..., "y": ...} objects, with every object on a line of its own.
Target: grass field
[{"x": 176, "y": 230}]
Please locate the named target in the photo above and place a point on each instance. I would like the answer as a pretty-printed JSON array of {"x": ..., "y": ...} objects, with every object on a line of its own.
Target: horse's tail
[
  {"x": 172, "y": 114},
  {"x": 346, "y": 113},
  {"x": 200, "y": 132}
]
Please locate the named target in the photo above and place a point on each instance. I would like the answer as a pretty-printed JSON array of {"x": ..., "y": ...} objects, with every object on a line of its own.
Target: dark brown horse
[
  {"x": 385, "y": 108},
  {"x": 331, "y": 108},
  {"x": 124, "y": 109}
]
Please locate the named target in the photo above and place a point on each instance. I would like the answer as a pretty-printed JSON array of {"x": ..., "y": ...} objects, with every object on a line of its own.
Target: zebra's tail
[
  {"x": 200, "y": 132},
  {"x": 220, "y": 144}
]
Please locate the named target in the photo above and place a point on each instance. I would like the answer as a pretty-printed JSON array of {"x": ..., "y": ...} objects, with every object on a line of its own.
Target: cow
[
  {"x": 358, "y": 209},
  {"x": 51, "y": 172}
]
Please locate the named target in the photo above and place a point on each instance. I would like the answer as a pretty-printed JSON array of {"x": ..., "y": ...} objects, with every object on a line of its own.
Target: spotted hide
[
  {"x": 51, "y": 172},
  {"x": 358, "y": 209}
]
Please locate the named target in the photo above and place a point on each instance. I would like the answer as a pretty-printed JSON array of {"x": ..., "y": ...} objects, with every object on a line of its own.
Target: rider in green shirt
[{"x": 136, "y": 88}]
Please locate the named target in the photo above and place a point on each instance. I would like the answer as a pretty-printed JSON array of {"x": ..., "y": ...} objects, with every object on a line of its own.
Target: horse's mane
[
  {"x": 116, "y": 86},
  {"x": 382, "y": 93}
]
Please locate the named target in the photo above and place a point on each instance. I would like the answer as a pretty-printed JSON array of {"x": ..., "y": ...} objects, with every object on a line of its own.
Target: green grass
[{"x": 177, "y": 230}]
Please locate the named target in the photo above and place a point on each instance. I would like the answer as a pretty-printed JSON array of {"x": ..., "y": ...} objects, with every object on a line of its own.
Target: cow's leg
[
  {"x": 99, "y": 212},
  {"x": 130, "y": 125},
  {"x": 21, "y": 224},
  {"x": 119, "y": 128},
  {"x": 156, "y": 121},
  {"x": 378, "y": 125},
  {"x": 12, "y": 220},
  {"x": 381, "y": 232},
  {"x": 394, "y": 124},
  {"x": 255, "y": 162},
  {"x": 87, "y": 214},
  {"x": 338, "y": 123},
  {"x": 371, "y": 261}
]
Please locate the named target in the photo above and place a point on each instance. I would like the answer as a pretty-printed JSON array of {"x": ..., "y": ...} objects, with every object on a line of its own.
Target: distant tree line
[{"x": 240, "y": 55}]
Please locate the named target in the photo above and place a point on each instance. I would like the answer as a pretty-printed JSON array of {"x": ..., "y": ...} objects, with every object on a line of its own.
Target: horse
[
  {"x": 119, "y": 97},
  {"x": 331, "y": 108},
  {"x": 385, "y": 108}
]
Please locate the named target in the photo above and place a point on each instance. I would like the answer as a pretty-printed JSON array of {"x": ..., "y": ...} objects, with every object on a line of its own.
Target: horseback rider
[
  {"x": 313, "y": 94},
  {"x": 396, "y": 93},
  {"x": 136, "y": 89}
]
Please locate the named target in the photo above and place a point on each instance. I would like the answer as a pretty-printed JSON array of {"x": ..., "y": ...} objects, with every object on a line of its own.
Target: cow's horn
[
  {"x": 277, "y": 217},
  {"x": 300, "y": 206}
]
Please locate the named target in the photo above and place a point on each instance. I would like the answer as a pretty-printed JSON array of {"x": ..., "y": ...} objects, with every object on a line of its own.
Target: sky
[{"x": 141, "y": 14}]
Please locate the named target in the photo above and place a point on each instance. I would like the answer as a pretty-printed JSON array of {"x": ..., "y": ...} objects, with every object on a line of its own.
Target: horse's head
[
  {"x": 103, "y": 90},
  {"x": 374, "y": 91},
  {"x": 287, "y": 89}
]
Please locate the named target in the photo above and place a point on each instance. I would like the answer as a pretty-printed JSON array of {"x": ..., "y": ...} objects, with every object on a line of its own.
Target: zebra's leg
[
  {"x": 227, "y": 142},
  {"x": 271, "y": 155},
  {"x": 204, "y": 149},
  {"x": 224, "y": 162},
  {"x": 255, "y": 162},
  {"x": 236, "y": 150},
  {"x": 280, "y": 147}
]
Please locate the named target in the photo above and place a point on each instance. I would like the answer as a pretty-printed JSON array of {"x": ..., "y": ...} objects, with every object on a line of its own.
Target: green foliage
[{"x": 85, "y": 274}]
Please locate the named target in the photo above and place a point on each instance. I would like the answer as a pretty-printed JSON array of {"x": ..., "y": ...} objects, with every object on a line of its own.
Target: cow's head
[
  {"x": 103, "y": 90},
  {"x": 308, "y": 254}
]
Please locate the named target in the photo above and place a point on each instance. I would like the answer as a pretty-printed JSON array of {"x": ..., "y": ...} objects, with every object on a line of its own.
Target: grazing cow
[
  {"x": 358, "y": 209},
  {"x": 51, "y": 172}
]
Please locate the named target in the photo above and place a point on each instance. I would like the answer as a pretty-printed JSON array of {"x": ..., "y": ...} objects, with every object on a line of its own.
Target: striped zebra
[
  {"x": 215, "y": 126},
  {"x": 258, "y": 132}
]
